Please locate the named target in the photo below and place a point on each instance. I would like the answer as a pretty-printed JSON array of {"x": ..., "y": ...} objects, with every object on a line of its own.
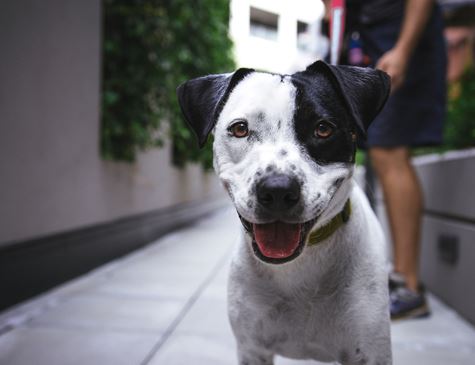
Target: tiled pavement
[{"x": 166, "y": 304}]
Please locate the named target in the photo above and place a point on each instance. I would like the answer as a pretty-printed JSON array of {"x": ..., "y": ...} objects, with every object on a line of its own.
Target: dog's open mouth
[{"x": 278, "y": 242}]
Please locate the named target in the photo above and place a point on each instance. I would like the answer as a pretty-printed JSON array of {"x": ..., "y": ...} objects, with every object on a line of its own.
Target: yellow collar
[{"x": 317, "y": 236}]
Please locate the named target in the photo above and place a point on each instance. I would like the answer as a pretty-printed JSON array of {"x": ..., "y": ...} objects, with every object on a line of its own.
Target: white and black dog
[{"x": 308, "y": 279}]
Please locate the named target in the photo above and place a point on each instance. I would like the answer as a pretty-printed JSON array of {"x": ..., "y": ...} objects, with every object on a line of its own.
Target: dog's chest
[{"x": 298, "y": 324}]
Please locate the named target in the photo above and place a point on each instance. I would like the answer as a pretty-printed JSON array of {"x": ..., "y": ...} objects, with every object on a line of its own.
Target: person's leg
[{"x": 403, "y": 198}]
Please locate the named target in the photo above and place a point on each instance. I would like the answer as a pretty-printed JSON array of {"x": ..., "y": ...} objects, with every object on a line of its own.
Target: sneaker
[
  {"x": 404, "y": 302},
  {"x": 396, "y": 280}
]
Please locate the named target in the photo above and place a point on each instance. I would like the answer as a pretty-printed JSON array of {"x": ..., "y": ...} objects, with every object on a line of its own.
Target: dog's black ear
[
  {"x": 364, "y": 90},
  {"x": 202, "y": 99}
]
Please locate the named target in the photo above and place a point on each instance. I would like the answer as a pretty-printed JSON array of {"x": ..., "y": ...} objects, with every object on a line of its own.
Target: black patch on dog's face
[{"x": 315, "y": 102}]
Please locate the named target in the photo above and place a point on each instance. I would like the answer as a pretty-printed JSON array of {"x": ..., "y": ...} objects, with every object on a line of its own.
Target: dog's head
[{"x": 284, "y": 145}]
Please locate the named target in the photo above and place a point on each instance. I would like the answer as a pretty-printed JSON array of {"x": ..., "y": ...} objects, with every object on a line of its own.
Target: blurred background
[{"x": 95, "y": 159}]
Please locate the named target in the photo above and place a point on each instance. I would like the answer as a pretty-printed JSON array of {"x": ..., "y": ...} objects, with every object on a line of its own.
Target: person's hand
[{"x": 394, "y": 63}]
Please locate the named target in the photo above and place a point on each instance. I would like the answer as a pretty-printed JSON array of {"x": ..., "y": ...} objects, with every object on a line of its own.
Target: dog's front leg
[{"x": 249, "y": 356}]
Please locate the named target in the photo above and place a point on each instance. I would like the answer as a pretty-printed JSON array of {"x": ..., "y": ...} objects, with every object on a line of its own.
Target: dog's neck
[{"x": 319, "y": 235}]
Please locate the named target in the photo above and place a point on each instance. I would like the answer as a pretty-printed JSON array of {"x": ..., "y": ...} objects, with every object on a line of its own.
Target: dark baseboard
[{"x": 31, "y": 267}]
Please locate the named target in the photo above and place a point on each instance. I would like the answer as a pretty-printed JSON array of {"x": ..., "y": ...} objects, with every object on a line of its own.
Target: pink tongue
[{"x": 277, "y": 240}]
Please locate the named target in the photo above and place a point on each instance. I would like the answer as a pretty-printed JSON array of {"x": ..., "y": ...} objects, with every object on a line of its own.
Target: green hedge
[
  {"x": 460, "y": 124},
  {"x": 150, "y": 47}
]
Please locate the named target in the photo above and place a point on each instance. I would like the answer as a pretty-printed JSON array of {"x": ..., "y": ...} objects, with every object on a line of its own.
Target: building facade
[{"x": 277, "y": 35}]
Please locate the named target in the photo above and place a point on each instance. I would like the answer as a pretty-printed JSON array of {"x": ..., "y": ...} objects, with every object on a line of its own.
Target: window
[
  {"x": 264, "y": 24},
  {"x": 302, "y": 35}
]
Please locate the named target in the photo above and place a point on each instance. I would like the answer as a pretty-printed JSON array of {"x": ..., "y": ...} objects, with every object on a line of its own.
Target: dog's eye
[
  {"x": 324, "y": 129},
  {"x": 239, "y": 129}
]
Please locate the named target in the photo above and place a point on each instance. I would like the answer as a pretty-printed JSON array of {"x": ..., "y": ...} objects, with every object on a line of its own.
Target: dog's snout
[{"x": 278, "y": 192}]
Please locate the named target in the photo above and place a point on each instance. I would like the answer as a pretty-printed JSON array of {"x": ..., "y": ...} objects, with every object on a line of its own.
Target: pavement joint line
[{"x": 186, "y": 308}]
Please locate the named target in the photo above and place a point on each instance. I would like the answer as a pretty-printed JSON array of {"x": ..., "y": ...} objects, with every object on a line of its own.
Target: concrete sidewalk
[{"x": 166, "y": 304}]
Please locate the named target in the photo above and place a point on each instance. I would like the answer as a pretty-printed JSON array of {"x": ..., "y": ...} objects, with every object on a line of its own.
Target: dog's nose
[{"x": 278, "y": 192}]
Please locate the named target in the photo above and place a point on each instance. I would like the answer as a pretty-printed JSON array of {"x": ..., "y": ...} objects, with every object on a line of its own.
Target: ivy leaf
[{"x": 110, "y": 97}]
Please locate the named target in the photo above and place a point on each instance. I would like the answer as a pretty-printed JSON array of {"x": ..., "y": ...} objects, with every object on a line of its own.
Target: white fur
[{"x": 331, "y": 302}]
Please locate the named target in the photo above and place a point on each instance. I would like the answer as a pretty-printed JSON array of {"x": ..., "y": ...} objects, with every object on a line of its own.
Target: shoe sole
[{"x": 420, "y": 312}]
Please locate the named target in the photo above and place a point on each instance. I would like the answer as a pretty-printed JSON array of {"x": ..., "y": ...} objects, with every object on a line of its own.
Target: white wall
[
  {"x": 52, "y": 178},
  {"x": 282, "y": 55}
]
